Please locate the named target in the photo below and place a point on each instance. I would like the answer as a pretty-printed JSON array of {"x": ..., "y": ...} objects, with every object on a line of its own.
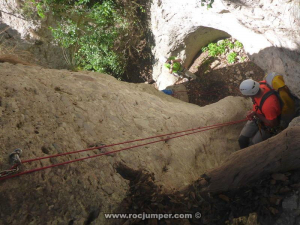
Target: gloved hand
[{"x": 250, "y": 115}]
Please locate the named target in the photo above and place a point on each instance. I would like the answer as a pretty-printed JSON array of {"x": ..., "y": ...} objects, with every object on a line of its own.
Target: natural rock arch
[
  {"x": 194, "y": 41},
  {"x": 173, "y": 23}
]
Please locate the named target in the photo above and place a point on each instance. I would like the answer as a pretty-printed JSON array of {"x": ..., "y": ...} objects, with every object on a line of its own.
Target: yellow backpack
[{"x": 276, "y": 82}]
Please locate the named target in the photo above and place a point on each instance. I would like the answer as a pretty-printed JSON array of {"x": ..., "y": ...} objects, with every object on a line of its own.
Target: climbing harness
[
  {"x": 14, "y": 159},
  {"x": 167, "y": 137},
  {"x": 271, "y": 130},
  {"x": 259, "y": 124}
]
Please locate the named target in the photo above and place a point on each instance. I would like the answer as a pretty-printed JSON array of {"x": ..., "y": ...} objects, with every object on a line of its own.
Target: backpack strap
[
  {"x": 267, "y": 95},
  {"x": 264, "y": 98},
  {"x": 259, "y": 107}
]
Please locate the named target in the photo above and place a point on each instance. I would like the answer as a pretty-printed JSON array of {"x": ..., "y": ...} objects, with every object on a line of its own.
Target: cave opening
[{"x": 220, "y": 63}]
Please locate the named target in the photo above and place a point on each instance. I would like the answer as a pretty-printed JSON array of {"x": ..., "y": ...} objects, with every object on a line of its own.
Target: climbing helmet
[{"x": 249, "y": 87}]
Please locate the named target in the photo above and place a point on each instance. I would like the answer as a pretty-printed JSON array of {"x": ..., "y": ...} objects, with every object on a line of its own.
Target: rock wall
[
  {"x": 268, "y": 30},
  {"x": 45, "y": 112},
  {"x": 29, "y": 38}
]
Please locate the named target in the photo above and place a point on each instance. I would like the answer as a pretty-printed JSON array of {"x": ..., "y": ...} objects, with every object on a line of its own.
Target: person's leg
[
  {"x": 243, "y": 141},
  {"x": 189, "y": 74},
  {"x": 260, "y": 136},
  {"x": 247, "y": 132},
  {"x": 177, "y": 74}
]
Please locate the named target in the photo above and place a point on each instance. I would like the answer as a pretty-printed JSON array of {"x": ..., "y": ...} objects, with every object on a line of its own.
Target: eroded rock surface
[
  {"x": 29, "y": 38},
  {"x": 45, "y": 112}
]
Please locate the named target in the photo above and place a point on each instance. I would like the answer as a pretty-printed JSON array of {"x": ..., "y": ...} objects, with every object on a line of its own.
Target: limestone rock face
[
  {"x": 30, "y": 37},
  {"x": 45, "y": 112},
  {"x": 10, "y": 14},
  {"x": 269, "y": 31}
]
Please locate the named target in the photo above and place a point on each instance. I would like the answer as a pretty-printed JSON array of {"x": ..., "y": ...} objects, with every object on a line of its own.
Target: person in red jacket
[{"x": 264, "y": 115}]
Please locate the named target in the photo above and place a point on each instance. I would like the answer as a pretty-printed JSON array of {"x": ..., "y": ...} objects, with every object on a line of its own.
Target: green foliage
[
  {"x": 231, "y": 57},
  {"x": 230, "y": 45},
  {"x": 40, "y": 10},
  {"x": 238, "y": 44},
  {"x": 243, "y": 58},
  {"x": 204, "y": 49},
  {"x": 143, "y": 10},
  {"x": 29, "y": 8},
  {"x": 66, "y": 33},
  {"x": 214, "y": 49},
  {"x": 219, "y": 48},
  {"x": 208, "y": 3},
  {"x": 99, "y": 34}
]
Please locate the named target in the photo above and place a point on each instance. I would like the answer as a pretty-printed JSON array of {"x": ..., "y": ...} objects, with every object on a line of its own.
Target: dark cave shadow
[
  {"x": 140, "y": 70},
  {"x": 140, "y": 67},
  {"x": 272, "y": 59},
  {"x": 212, "y": 85},
  {"x": 8, "y": 31}
]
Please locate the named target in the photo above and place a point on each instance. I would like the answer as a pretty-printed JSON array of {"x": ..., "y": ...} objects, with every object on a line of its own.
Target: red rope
[
  {"x": 126, "y": 142},
  {"x": 115, "y": 151}
]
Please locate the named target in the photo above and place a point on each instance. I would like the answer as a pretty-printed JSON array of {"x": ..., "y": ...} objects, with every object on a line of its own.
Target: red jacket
[{"x": 271, "y": 108}]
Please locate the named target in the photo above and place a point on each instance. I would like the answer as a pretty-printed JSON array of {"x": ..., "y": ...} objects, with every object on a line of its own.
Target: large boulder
[{"x": 45, "y": 112}]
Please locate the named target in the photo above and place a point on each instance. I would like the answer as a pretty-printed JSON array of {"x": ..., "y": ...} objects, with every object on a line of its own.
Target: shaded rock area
[
  {"x": 272, "y": 200},
  {"x": 46, "y": 112},
  {"x": 220, "y": 83}
]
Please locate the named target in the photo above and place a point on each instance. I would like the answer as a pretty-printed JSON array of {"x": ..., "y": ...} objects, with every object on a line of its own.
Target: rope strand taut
[
  {"x": 115, "y": 151},
  {"x": 126, "y": 142}
]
